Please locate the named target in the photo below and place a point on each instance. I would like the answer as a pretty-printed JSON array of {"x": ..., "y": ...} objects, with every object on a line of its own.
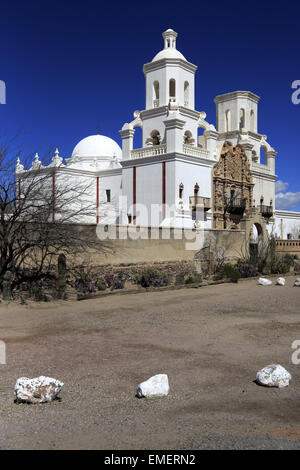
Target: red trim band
[
  {"x": 53, "y": 196},
  {"x": 164, "y": 190},
  {"x": 97, "y": 200},
  {"x": 134, "y": 195}
]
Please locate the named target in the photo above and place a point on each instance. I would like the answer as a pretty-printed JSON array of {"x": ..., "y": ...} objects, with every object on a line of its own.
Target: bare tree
[
  {"x": 295, "y": 231},
  {"x": 40, "y": 208}
]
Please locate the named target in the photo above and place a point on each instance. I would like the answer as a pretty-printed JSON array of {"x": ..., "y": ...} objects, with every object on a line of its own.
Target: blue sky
[{"x": 72, "y": 66}]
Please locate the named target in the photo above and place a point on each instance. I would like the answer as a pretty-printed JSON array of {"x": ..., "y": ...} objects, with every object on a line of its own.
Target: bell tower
[
  {"x": 169, "y": 77},
  {"x": 169, "y": 119}
]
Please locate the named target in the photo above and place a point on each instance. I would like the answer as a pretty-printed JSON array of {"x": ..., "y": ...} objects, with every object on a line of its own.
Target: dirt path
[{"x": 211, "y": 342}]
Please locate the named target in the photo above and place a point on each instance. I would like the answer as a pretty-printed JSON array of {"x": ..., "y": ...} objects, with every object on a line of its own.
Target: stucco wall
[{"x": 150, "y": 250}]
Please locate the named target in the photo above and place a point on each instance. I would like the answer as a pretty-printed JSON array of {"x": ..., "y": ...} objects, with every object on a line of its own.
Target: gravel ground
[{"x": 211, "y": 341}]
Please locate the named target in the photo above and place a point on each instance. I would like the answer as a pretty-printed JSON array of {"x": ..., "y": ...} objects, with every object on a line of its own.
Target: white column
[
  {"x": 174, "y": 133},
  {"x": 211, "y": 142},
  {"x": 127, "y": 134},
  {"x": 270, "y": 160}
]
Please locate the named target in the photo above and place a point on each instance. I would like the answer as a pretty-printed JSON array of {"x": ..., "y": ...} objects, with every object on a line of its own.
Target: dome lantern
[{"x": 170, "y": 38}]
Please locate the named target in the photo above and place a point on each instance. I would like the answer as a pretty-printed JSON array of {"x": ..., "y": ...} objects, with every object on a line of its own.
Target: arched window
[
  {"x": 181, "y": 187},
  {"x": 242, "y": 118},
  {"x": 155, "y": 94},
  {"x": 252, "y": 120},
  {"x": 186, "y": 93},
  {"x": 172, "y": 88},
  {"x": 227, "y": 120}
]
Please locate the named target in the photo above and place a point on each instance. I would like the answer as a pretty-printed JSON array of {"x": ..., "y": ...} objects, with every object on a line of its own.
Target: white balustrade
[
  {"x": 195, "y": 151},
  {"x": 149, "y": 151}
]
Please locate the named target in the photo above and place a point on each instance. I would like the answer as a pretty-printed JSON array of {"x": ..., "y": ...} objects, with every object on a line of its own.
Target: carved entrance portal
[{"x": 232, "y": 187}]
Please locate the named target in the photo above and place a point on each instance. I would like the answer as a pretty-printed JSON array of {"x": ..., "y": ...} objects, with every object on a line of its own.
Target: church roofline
[
  {"x": 162, "y": 110},
  {"x": 287, "y": 213},
  {"x": 236, "y": 94},
  {"x": 151, "y": 66}
]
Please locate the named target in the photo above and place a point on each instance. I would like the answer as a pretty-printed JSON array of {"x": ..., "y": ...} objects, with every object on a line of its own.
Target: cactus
[
  {"x": 6, "y": 285},
  {"x": 62, "y": 272}
]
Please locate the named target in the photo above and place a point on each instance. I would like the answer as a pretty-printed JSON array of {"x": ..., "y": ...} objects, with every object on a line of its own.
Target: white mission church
[{"x": 185, "y": 163}]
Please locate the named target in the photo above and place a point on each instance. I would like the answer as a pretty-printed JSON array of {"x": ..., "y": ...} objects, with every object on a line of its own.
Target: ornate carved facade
[{"x": 232, "y": 187}]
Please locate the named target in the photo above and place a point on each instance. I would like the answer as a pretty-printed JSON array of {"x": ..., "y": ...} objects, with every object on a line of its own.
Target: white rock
[
  {"x": 280, "y": 281},
  {"x": 156, "y": 386},
  {"x": 264, "y": 282},
  {"x": 297, "y": 282},
  {"x": 38, "y": 390},
  {"x": 273, "y": 375}
]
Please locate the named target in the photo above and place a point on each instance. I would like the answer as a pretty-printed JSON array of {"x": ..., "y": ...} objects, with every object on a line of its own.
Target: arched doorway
[{"x": 256, "y": 239}]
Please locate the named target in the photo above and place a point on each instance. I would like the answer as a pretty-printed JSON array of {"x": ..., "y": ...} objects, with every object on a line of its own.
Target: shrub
[
  {"x": 59, "y": 295},
  {"x": 109, "y": 279},
  {"x": 267, "y": 270},
  {"x": 101, "y": 285},
  {"x": 179, "y": 279},
  {"x": 289, "y": 260},
  {"x": 279, "y": 267},
  {"x": 228, "y": 272},
  {"x": 114, "y": 282},
  {"x": 118, "y": 283},
  {"x": 83, "y": 284},
  {"x": 37, "y": 293},
  {"x": 247, "y": 270},
  {"x": 196, "y": 278},
  {"x": 153, "y": 278},
  {"x": 136, "y": 279}
]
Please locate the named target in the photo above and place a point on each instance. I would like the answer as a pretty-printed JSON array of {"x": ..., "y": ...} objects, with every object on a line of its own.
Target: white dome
[
  {"x": 168, "y": 53},
  {"x": 97, "y": 146}
]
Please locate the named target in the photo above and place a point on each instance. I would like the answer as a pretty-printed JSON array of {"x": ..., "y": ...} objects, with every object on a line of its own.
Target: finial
[
  {"x": 36, "y": 164},
  {"x": 19, "y": 167},
  {"x": 56, "y": 160},
  {"x": 98, "y": 129}
]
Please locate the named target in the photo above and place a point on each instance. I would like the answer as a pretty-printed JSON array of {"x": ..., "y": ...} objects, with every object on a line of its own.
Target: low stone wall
[
  {"x": 288, "y": 246},
  {"x": 147, "y": 249}
]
